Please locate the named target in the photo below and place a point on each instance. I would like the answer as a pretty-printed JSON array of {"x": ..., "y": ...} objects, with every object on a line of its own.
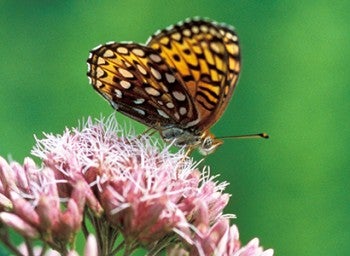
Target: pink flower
[
  {"x": 222, "y": 240},
  {"x": 123, "y": 184},
  {"x": 35, "y": 206},
  {"x": 145, "y": 192}
]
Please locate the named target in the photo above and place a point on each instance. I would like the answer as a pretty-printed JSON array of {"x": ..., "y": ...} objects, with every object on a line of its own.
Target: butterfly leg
[
  {"x": 149, "y": 131},
  {"x": 189, "y": 150}
]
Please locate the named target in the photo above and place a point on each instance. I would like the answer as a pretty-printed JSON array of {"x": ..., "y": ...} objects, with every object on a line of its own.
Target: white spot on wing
[
  {"x": 101, "y": 61},
  {"x": 204, "y": 28},
  {"x": 125, "y": 73},
  {"x": 232, "y": 37},
  {"x": 192, "y": 123},
  {"x": 162, "y": 113},
  {"x": 156, "y": 58},
  {"x": 140, "y": 111},
  {"x": 138, "y": 52},
  {"x": 213, "y": 31},
  {"x": 108, "y": 54},
  {"x": 122, "y": 50},
  {"x": 179, "y": 95},
  {"x": 141, "y": 69},
  {"x": 118, "y": 93},
  {"x": 214, "y": 46},
  {"x": 98, "y": 84},
  {"x": 156, "y": 74},
  {"x": 176, "y": 36},
  {"x": 152, "y": 91},
  {"x": 99, "y": 72},
  {"x": 139, "y": 101},
  {"x": 170, "y": 78},
  {"x": 195, "y": 29},
  {"x": 187, "y": 32},
  {"x": 182, "y": 111},
  {"x": 170, "y": 105},
  {"x": 125, "y": 84}
]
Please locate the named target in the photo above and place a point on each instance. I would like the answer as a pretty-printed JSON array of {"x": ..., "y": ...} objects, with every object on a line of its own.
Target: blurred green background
[{"x": 292, "y": 190}]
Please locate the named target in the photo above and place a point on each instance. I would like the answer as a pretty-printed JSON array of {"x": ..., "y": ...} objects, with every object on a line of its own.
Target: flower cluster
[{"x": 121, "y": 184}]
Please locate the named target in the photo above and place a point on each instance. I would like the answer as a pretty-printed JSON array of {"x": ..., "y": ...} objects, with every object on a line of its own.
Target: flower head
[
  {"x": 147, "y": 193},
  {"x": 31, "y": 204},
  {"x": 222, "y": 240},
  {"x": 122, "y": 183}
]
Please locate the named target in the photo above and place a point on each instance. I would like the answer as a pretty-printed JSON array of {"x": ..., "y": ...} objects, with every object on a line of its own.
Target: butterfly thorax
[{"x": 205, "y": 142}]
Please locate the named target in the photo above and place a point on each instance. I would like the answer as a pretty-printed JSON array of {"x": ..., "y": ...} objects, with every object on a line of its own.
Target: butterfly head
[
  {"x": 208, "y": 143},
  {"x": 205, "y": 141}
]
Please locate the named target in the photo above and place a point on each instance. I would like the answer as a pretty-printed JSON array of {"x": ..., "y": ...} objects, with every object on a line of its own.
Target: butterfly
[{"x": 179, "y": 83}]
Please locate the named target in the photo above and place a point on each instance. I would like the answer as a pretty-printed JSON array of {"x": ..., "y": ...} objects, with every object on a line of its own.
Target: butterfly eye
[{"x": 209, "y": 145}]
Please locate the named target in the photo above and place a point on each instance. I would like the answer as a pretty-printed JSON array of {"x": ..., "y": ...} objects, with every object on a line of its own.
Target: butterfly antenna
[{"x": 247, "y": 136}]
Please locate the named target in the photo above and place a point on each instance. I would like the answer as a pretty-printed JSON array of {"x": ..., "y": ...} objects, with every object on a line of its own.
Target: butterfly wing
[
  {"x": 137, "y": 82},
  {"x": 207, "y": 57}
]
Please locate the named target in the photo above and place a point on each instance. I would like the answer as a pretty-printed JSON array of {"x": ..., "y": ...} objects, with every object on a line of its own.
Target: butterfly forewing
[
  {"x": 137, "y": 82},
  {"x": 207, "y": 56}
]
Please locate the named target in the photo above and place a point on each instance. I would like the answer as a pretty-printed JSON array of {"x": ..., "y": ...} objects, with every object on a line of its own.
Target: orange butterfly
[{"x": 179, "y": 83}]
